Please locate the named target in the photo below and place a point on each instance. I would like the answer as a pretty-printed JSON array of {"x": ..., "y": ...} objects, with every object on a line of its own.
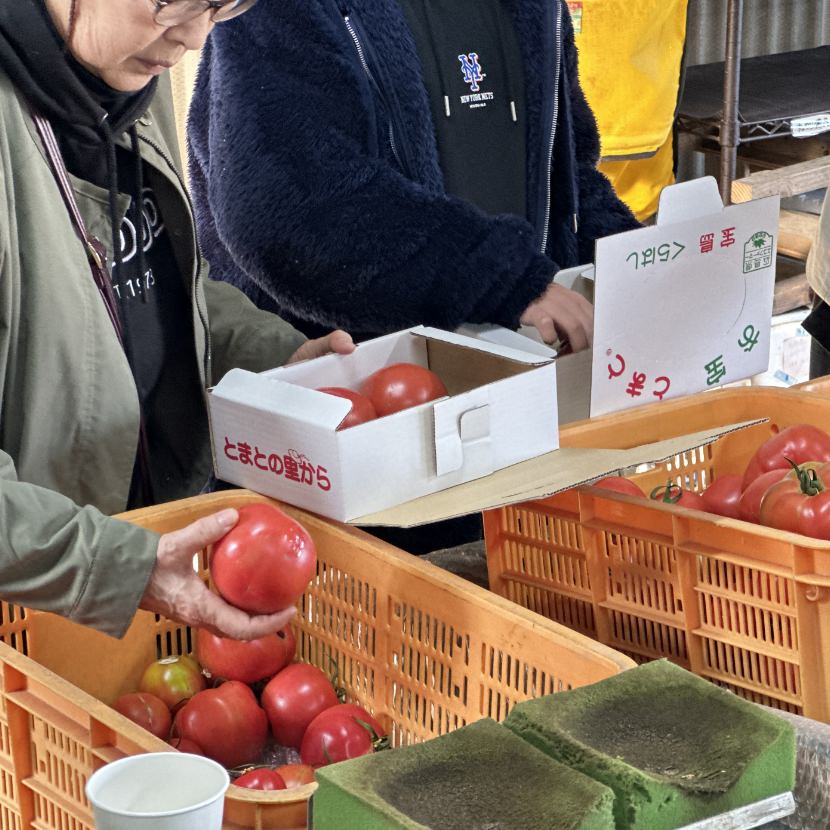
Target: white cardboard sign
[{"x": 685, "y": 305}]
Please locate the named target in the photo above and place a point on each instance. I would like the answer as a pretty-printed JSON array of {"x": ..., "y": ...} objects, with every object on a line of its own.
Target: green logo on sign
[{"x": 758, "y": 252}]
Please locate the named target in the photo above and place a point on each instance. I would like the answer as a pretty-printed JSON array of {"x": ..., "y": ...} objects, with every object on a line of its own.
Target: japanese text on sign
[
  {"x": 291, "y": 465},
  {"x": 637, "y": 384},
  {"x": 707, "y": 240},
  {"x": 666, "y": 252}
]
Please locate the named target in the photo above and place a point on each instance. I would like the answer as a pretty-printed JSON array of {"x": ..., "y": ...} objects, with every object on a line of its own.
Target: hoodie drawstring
[
  {"x": 438, "y": 63},
  {"x": 508, "y": 75},
  {"x": 138, "y": 212},
  {"x": 511, "y": 90}
]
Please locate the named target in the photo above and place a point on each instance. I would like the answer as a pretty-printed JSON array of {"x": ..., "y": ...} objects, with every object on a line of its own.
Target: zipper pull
[
  {"x": 447, "y": 105},
  {"x": 576, "y": 223}
]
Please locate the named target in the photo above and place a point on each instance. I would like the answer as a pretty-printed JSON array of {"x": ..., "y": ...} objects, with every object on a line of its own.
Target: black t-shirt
[
  {"x": 473, "y": 69},
  {"x": 158, "y": 329}
]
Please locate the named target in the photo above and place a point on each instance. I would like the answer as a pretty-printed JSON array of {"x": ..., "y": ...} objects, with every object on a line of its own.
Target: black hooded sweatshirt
[{"x": 87, "y": 117}]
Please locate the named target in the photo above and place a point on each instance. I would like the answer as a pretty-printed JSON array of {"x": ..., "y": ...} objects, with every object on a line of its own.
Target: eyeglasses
[{"x": 176, "y": 12}]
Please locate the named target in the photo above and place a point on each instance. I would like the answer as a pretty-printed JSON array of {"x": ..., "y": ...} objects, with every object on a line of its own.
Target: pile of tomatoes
[
  {"x": 786, "y": 485},
  {"x": 244, "y": 697},
  {"x": 391, "y": 389}
]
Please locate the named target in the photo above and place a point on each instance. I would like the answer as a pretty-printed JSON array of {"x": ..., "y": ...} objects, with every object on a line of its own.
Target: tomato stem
[
  {"x": 379, "y": 742},
  {"x": 808, "y": 480},
  {"x": 340, "y": 691},
  {"x": 669, "y": 493}
]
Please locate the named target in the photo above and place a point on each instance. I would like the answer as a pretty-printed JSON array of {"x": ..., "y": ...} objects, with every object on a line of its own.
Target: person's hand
[
  {"x": 176, "y": 590},
  {"x": 564, "y": 315},
  {"x": 339, "y": 342}
]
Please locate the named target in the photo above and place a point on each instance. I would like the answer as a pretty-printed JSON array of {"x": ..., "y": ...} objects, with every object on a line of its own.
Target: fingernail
[{"x": 227, "y": 518}]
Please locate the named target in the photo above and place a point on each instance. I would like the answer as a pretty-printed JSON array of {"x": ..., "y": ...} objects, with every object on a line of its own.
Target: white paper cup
[{"x": 158, "y": 790}]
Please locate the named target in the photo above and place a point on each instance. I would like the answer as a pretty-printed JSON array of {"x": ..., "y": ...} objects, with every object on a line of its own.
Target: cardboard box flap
[
  {"x": 689, "y": 200},
  {"x": 539, "y": 477},
  {"x": 286, "y": 399},
  {"x": 518, "y": 355}
]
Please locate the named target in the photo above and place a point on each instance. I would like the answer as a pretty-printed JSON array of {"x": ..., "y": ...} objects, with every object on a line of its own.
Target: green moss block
[
  {"x": 674, "y": 748},
  {"x": 481, "y": 777}
]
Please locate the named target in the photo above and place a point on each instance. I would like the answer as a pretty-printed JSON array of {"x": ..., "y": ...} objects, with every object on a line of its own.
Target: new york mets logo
[{"x": 472, "y": 70}]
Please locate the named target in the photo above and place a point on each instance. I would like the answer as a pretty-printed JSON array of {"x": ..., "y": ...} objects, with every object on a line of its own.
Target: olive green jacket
[{"x": 68, "y": 403}]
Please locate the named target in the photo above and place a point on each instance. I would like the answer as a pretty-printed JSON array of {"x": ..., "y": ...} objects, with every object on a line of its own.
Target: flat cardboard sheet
[{"x": 537, "y": 478}]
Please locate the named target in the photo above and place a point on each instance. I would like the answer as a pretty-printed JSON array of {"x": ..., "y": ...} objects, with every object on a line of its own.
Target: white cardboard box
[
  {"x": 274, "y": 433},
  {"x": 666, "y": 299}
]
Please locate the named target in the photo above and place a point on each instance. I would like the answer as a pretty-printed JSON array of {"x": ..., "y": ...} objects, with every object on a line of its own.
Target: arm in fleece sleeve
[{"x": 291, "y": 194}]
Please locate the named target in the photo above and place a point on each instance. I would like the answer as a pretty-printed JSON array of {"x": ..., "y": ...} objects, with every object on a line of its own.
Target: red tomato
[
  {"x": 265, "y": 562},
  {"x": 226, "y": 722},
  {"x": 672, "y": 493},
  {"x": 749, "y": 506},
  {"x": 173, "y": 679},
  {"x": 293, "y": 698},
  {"x": 333, "y": 736},
  {"x": 295, "y": 775},
  {"x": 185, "y": 745},
  {"x": 247, "y": 661},
  {"x": 261, "y": 779},
  {"x": 147, "y": 711},
  {"x": 361, "y": 411},
  {"x": 619, "y": 484},
  {"x": 352, "y": 710},
  {"x": 401, "y": 386},
  {"x": 798, "y": 443},
  {"x": 723, "y": 495},
  {"x": 800, "y": 503}
]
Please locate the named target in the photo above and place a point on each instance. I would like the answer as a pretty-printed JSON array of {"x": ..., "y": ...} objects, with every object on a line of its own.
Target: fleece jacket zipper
[
  {"x": 367, "y": 56},
  {"x": 557, "y": 56}
]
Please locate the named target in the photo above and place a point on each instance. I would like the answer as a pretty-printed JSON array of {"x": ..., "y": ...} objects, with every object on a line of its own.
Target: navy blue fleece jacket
[{"x": 303, "y": 202}]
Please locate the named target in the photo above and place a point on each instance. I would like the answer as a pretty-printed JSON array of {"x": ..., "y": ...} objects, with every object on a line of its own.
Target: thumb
[{"x": 199, "y": 534}]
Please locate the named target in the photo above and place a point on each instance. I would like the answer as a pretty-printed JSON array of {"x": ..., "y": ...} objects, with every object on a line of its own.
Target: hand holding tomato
[
  {"x": 226, "y": 722},
  {"x": 401, "y": 386},
  {"x": 265, "y": 562},
  {"x": 245, "y": 660},
  {"x": 361, "y": 411},
  {"x": 176, "y": 590}
]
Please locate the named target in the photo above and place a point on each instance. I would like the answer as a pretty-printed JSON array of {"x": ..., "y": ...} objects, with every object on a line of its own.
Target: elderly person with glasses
[{"x": 110, "y": 329}]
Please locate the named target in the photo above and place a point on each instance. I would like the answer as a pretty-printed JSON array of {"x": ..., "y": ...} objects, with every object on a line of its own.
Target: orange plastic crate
[
  {"x": 424, "y": 650},
  {"x": 742, "y": 605}
]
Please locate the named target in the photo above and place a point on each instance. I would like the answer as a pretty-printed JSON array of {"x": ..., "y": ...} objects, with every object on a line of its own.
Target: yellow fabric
[
  {"x": 638, "y": 182},
  {"x": 630, "y": 53},
  {"x": 629, "y": 66}
]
